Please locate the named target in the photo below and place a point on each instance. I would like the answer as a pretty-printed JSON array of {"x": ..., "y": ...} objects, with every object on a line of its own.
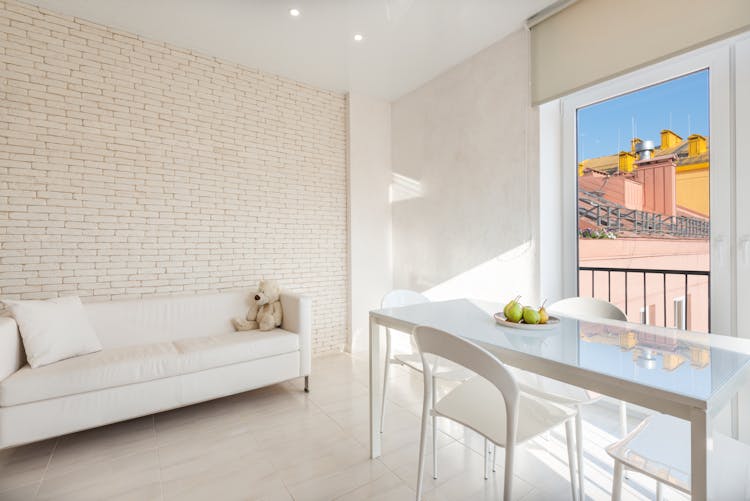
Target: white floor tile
[
  {"x": 24, "y": 466},
  {"x": 279, "y": 443}
]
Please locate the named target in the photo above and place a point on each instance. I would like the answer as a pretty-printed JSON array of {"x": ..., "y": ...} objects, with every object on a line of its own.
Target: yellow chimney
[
  {"x": 699, "y": 357},
  {"x": 669, "y": 139},
  {"x": 633, "y": 142},
  {"x": 697, "y": 145},
  {"x": 625, "y": 162},
  {"x": 628, "y": 340},
  {"x": 670, "y": 361}
]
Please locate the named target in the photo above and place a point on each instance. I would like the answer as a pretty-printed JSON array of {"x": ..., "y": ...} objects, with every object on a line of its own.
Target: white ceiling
[{"x": 407, "y": 42}]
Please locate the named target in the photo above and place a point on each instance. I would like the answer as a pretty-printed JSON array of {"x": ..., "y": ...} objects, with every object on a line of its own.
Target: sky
[{"x": 680, "y": 105}]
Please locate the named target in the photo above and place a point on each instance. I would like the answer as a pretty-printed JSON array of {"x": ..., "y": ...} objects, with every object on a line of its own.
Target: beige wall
[
  {"x": 369, "y": 210},
  {"x": 465, "y": 142},
  {"x": 132, "y": 168}
]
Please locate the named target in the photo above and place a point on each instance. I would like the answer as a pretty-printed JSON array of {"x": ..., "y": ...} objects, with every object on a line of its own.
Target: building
[
  {"x": 655, "y": 202},
  {"x": 671, "y": 179}
]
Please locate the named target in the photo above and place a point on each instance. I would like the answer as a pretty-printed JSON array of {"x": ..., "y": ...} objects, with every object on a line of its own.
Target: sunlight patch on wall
[
  {"x": 497, "y": 280},
  {"x": 404, "y": 188}
]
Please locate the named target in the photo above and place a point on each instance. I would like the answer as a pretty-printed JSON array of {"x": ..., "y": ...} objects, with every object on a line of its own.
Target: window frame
[{"x": 716, "y": 58}]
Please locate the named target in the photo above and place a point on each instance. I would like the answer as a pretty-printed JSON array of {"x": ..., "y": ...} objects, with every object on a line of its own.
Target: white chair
[
  {"x": 395, "y": 299},
  {"x": 587, "y": 307},
  {"x": 566, "y": 394},
  {"x": 490, "y": 403},
  {"x": 660, "y": 448}
]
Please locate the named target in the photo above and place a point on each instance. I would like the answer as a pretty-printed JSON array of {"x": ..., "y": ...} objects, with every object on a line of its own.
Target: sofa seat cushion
[
  {"x": 201, "y": 353},
  {"x": 137, "y": 364},
  {"x": 95, "y": 371}
]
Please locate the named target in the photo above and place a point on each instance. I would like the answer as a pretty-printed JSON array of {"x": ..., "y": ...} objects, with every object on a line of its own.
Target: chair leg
[
  {"x": 426, "y": 408},
  {"x": 510, "y": 453},
  {"x": 307, "y": 384},
  {"x": 624, "y": 425},
  {"x": 486, "y": 457},
  {"x": 617, "y": 482},
  {"x": 434, "y": 431},
  {"x": 659, "y": 491},
  {"x": 579, "y": 450},
  {"x": 385, "y": 377},
  {"x": 569, "y": 436}
]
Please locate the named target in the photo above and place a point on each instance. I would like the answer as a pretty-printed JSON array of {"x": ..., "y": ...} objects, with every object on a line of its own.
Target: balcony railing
[
  {"x": 648, "y": 290},
  {"x": 606, "y": 214}
]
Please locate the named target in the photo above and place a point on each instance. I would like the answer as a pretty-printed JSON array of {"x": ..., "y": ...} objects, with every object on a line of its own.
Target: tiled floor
[{"x": 279, "y": 443}]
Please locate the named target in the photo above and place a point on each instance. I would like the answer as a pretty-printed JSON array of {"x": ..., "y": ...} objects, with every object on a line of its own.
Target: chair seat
[
  {"x": 445, "y": 369},
  {"x": 660, "y": 448},
  {"x": 468, "y": 404}
]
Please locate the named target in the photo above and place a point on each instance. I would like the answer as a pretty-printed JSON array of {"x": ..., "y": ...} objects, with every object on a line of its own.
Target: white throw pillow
[{"x": 54, "y": 329}]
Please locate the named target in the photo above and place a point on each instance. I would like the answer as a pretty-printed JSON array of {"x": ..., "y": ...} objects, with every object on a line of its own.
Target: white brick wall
[{"x": 133, "y": 168}]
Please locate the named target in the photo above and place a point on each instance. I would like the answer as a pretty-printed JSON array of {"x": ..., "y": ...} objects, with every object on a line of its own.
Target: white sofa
[{"x": 158, "y": 354}]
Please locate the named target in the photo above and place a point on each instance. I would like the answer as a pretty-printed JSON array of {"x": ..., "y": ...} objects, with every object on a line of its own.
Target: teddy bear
[{"x": 265, "y": 309}]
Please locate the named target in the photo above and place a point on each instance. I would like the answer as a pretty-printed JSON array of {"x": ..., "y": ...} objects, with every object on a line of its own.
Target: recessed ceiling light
[
  {"x": 358, "y": 37},
  {"x": 294, "y": 12}
]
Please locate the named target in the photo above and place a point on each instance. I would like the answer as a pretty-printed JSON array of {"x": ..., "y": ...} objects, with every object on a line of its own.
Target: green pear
[
  {"x": 510, "y": 303},
  {"x": 515, "y": 312},
  {"x": 530, "y": 315}
]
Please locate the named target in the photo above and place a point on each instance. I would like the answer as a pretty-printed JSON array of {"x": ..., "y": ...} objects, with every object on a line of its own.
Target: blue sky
[{"x": 682, "y": 102}]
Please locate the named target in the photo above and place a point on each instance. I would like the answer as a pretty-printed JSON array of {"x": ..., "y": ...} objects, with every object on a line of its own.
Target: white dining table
[{"x": 692, "y": 376}]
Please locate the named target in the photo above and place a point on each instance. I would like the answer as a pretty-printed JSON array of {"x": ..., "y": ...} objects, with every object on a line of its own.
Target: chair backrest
[
  {"x": 431, "y": 341},
  {"x": 402, "y": 297},
  {"x": 588, "y": 307}
]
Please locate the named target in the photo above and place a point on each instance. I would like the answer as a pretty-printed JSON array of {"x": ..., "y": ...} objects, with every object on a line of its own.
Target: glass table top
[{"x": 692, "y": 364}]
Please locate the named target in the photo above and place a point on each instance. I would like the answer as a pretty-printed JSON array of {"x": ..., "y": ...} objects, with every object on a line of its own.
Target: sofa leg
[{"x": 307, "y": 384}]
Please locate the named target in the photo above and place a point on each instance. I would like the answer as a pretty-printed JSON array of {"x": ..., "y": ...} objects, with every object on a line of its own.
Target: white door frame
[
  {"x": 741, "y": 120},
  {"x": 717, "y": 59}
]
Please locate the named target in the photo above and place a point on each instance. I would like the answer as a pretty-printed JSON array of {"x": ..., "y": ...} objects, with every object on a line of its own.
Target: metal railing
[
  {"x": 644, "y": 272},
  {"x": 615, "y": 218}
]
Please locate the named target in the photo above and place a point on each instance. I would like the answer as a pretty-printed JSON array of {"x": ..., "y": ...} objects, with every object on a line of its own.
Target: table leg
[
  {"x": 699, "y": 434},
  {"x": 376, "y": 388}
]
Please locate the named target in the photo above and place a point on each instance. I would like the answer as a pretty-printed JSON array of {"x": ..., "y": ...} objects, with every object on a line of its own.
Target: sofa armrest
[
  {"x": 297, "y": 317},
  {"x": 12, "y": 356}
]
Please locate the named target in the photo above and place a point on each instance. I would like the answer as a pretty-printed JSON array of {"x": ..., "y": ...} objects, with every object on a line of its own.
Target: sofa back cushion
[
  {"x": 54, "y": 329},
  {"x": 153, "y": 320}
]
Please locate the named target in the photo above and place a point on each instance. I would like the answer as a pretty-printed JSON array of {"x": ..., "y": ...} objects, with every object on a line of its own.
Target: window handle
[
  {"x": 745, "y": 249},
  {"x": 718, "y": 243}
]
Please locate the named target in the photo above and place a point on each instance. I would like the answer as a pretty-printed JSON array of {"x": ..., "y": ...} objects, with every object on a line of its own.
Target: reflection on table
[{"x": 647, "y": 347}]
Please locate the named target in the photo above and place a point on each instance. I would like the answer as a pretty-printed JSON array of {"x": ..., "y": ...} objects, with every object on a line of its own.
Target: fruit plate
[{"x": 551, "y": 323}]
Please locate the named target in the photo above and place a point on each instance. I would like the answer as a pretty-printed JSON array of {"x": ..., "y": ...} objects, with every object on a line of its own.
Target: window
[
  {"x": 559, "y": 156},
  {"x": 643, "y": 176}
]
